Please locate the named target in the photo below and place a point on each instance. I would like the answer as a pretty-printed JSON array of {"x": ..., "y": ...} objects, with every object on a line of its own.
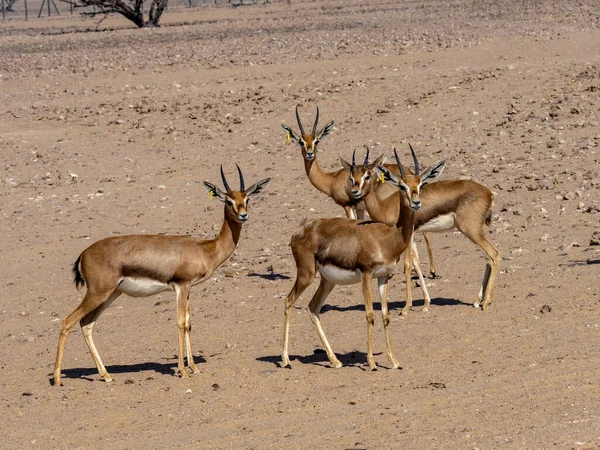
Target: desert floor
[{"x": 113, "y": 131}]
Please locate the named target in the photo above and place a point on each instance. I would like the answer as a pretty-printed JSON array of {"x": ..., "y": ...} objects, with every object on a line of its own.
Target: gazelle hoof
[{"x": 336, "y": 364}]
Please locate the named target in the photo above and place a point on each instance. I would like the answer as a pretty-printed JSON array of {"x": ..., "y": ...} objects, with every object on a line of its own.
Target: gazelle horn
[
  {"x": 242, "y": 187},
  {"x": 227, "y": 188},
  {"x": 399, "y": 163},
  {"x": 415, "y": 160},
  {"x": 299, "y": 121}
]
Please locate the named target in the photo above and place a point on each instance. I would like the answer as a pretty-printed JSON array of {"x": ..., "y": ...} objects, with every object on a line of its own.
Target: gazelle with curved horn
[
  {"x": 332, "y": 184},
  {"x": 347, "y": 251},
  {"x": 359, "y": 179},
  {"x": 464, "y": 205},
  {"x": 144, "y": 265}
]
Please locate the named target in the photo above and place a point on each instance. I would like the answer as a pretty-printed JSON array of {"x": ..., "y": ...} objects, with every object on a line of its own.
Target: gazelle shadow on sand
[
  {"x": 439, "y": 301},
  {"x": 319, "y": 358},
  {"x": 91, "y": 373}
]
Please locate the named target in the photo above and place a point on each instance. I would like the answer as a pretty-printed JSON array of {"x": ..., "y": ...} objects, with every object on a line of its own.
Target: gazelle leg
[
  {"x": 90, "y": 302},
  {"x": 382, "y": 283},
  {"x": 417, "y": 266},
  {"x": 489, "y": 280},
  {"x": 304, "y": 277},
  {"x": 407, "y": 272},
  {"x": 477, "y": 236},
  {"x": 350, "y": 212},
  {"x": 314, "y": 308},
  {"x": 432, "y": 272},
  {"x": 87, "y": 324},
  {"x": 486, "y": 277},
  {"x": 182, "y": 291},
  {"x": 366, "y": 288},
  {"x": 188, "y": 340}
]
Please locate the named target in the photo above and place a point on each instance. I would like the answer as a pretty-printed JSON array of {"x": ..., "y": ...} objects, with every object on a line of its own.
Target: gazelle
[
  {"x": 446, "y": 205},
  {"x": 332, "y": 184},
  {"x": 360, "y": 177},
  {"x": 144, "y": 265},
  {"x": 347, "y": 251}
]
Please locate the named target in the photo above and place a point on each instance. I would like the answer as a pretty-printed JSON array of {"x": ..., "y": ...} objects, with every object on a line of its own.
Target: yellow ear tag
[
  {"x": 381, "y": 179},
  {"x": 210, "y": 195},
  {"x": 288, "y": 136}
]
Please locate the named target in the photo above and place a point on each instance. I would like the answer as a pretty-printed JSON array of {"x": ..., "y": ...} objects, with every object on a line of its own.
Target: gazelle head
[
  {"x": 236, "y": 202},
  {"x": 360, "y": 176},
  {"x": 308, "y": 141},
  {"x": 410, "y": 185}
]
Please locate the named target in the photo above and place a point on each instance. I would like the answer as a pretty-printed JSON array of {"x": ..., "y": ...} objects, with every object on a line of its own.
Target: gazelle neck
[
  {"x": 226, "y": 241},
  {"x": 384, "y": 210},
  {"x": 406, "y": 219},
  {"x": 319, "y": 179}
]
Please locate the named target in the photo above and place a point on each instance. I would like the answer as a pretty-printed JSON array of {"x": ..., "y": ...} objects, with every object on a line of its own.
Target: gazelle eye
[{"x": 367, "y": 178}]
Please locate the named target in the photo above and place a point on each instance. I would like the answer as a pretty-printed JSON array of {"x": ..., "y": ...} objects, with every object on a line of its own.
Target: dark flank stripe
[{"x": 145, "y": 272}]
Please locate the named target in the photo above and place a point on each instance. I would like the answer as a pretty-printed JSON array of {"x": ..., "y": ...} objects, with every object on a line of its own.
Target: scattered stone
[
  {"x": 546, "y": 309},
  {"x": 595, "y": 238},
  {"x": 129, "y": 381},
  {"x": 188, "y": 391},
  {"x": 215, "y": 387}
]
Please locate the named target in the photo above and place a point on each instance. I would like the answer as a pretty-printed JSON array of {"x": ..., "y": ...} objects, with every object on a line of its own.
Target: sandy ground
[{"x": 113, "y": 132}]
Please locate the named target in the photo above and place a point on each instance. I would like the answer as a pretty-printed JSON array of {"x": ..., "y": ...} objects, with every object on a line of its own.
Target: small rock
[
  {"x": 595, "y": 238},
  {"x": 546, "y": 309},
  {"x": 189, "y": 391},
  {"x": 215, "y": 387},
  {"x": 569, "y": 196},
  {"x": 129, "y": 381}
]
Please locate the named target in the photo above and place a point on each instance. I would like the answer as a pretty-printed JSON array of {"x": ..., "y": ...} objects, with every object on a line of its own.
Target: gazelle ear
[
  {"x": 290, "y": 133},
  {"x": 382, "y": 171},
  {"x": 326, "y": 130},
  {"x": 214, "y": 191},
  {"x": 379, "y": 161},
  {"x": 345, "y": 165},
  {"x": 257, "y": 188},
  {"x": 433, "y": 173}
]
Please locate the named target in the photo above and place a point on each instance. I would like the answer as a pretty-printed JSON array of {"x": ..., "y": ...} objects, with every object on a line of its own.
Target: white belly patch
[
  {"x": 445, "y": 222},
  {"x": 142, "y": 287},
  {"x": 337, "y": 275}
]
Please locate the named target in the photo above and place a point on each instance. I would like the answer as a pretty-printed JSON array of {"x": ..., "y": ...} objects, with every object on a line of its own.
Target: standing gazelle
[
  {"x": 332, "y": 184},
  {"x": 464, "y": 205},
  {"x": 347, "y": 251},
  {"x": 144, "y": 265}
]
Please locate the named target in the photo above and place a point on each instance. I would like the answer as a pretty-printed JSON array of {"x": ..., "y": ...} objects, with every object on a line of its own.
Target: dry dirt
[{"x": 112, "y": 132}]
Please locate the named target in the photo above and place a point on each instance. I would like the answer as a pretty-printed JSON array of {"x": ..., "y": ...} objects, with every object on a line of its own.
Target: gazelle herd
[{"x": 342, "y": 250}]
